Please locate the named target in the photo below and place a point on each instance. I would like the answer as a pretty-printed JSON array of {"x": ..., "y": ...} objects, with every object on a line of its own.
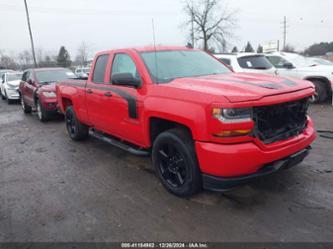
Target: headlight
[
  {"x": 49, "y": 94},
  {"x": 233, "y": 115}
]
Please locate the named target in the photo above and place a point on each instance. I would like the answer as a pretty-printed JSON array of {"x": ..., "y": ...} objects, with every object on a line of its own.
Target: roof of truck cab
[
  {"x": 48, "y": 69},
  {"x": 237, "y": 55},
  {"x": 161, "y": 48},
  {"x": 150, "y": 49}
]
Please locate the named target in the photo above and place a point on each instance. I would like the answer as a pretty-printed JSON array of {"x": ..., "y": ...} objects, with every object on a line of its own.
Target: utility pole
[
  {"x": 30, "y": 33},
  {"x": 192, "y": 26},
  {"x": 284, "y": 32}
]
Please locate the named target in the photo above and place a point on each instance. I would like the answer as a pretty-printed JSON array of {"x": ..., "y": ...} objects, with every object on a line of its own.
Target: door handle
[
  {"x": 108, "y": 94},
  {"x": 89, "y": 91}
]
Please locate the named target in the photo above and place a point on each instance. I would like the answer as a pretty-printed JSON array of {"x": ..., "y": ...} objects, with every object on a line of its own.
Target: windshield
[
  {"x": 254, "y": 62},
  {"x": 165, "y": 66},
  {"x": 12, "y": 77},
  {"x": 54, "y": 75}
]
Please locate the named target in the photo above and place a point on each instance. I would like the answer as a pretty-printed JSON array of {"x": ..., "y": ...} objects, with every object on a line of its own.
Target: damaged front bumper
[{"x": 226, "y": 183}]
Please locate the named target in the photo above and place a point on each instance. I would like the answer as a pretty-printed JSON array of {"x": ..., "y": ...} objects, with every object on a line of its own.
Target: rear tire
[
  {"x": 76, "y": 130},
  {"x": 26, "y": 109},
  {"x": 175, "y": 162},
  {"x": 321, "y": 93}
]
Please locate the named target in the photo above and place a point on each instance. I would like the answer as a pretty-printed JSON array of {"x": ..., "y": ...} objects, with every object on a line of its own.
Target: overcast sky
[{"x": 107, "y": 24}]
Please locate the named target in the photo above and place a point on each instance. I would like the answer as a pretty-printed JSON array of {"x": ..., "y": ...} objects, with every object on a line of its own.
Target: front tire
[
  {"x": 26, "y": 109},
  {"x": 321, "y": 93},
  {"x": 41, "y": 113},
  {"x": 3, "y": 95},
  {"x": 175, "y": 162},
  {"x": 76, "y": 130}
]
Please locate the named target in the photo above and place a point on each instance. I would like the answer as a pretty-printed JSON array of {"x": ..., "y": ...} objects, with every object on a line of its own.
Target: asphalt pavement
[{"x": 54, "y": 189}]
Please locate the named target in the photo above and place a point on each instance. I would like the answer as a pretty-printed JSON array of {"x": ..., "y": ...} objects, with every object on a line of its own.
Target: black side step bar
[{"x": 115, "y": 142}]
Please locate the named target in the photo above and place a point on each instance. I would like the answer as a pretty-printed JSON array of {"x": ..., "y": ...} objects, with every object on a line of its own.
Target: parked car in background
[
  {"x": 203, "y": 125},
  {"x": 3, "y": 71},
  {"x": 247, "y": 63},
  {"x": 82, "y": 72},
  {"x": 297, "y": 66},
  {"x": 9, "y": 85},
  {"x": 37, "y": 90}
]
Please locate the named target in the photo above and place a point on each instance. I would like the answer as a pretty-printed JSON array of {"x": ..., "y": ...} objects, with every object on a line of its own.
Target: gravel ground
[{"x": 54, "y": 189}]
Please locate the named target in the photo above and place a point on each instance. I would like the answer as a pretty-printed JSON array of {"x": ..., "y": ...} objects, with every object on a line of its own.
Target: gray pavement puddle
[{"x": 12, "y": 117}]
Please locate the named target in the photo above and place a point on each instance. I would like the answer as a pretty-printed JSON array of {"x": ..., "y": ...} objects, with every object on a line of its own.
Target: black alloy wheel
[
  {"x": 172, "y": 165},
  {"x": 175, "y": 162},
  {"x": 76, "y": 130}
]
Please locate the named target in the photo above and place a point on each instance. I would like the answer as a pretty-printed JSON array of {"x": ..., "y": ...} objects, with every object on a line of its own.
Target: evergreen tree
[
  {"x": 249, "y": 48},
  {"x": 234, "y": 50},
  {"x": 63, "y": 59},
  {"x": 260, "y": 49}
]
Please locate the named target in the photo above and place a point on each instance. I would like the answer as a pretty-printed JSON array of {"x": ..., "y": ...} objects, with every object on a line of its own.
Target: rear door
[{"x": 97, "y": 96}]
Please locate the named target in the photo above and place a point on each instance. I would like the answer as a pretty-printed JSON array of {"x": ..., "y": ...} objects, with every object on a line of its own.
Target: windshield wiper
[{"x": 47, "y": 82}]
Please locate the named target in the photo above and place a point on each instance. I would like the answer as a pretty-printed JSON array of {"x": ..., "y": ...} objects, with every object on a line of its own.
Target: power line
[
  {"x": 94, "y": 12},
  {"x": 30, "y": 33}
]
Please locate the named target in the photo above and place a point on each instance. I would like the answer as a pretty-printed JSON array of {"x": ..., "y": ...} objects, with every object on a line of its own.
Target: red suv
[{"x": 37, "y": 90}]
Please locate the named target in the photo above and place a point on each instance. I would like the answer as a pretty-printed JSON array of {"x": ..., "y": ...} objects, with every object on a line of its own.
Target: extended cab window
[
  {"x": 123, "y": 63},
  {"x": 100, "y": 67}
]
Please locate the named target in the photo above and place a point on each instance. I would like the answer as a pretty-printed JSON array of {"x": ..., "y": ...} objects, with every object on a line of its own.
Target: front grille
[{"x": 280, "y": 122}]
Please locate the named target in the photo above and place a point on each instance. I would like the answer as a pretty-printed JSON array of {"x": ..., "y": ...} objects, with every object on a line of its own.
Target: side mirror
[
  {"x": 288, "y": 65},
  {"x": 125, "y": 79}
]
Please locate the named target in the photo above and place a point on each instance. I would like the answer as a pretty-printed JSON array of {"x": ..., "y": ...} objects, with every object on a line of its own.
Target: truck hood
[{"x": 240, "y": 87}]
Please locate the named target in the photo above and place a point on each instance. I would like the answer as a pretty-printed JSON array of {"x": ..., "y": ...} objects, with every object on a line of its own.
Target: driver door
[
  {"x": 30, "y": 89},
  {"x": 125, "y": 100}
]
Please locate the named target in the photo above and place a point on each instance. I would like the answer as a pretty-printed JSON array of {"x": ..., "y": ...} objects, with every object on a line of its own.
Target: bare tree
[
  {"x": 83, "y": 53},
  {"x": 210, "y": 21},
  {"x": 25, "y": 58},
  {"x": 39, "y": 55},
  {"x": 8, "y": 62},
  {"x": 289, "y": 48}
]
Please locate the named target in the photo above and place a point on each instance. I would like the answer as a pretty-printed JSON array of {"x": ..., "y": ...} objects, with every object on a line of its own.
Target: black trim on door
[{"x": 131, "y": 100}]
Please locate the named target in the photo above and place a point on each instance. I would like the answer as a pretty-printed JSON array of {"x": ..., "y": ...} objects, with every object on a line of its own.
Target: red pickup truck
[{"x": 204, "y": 125}]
